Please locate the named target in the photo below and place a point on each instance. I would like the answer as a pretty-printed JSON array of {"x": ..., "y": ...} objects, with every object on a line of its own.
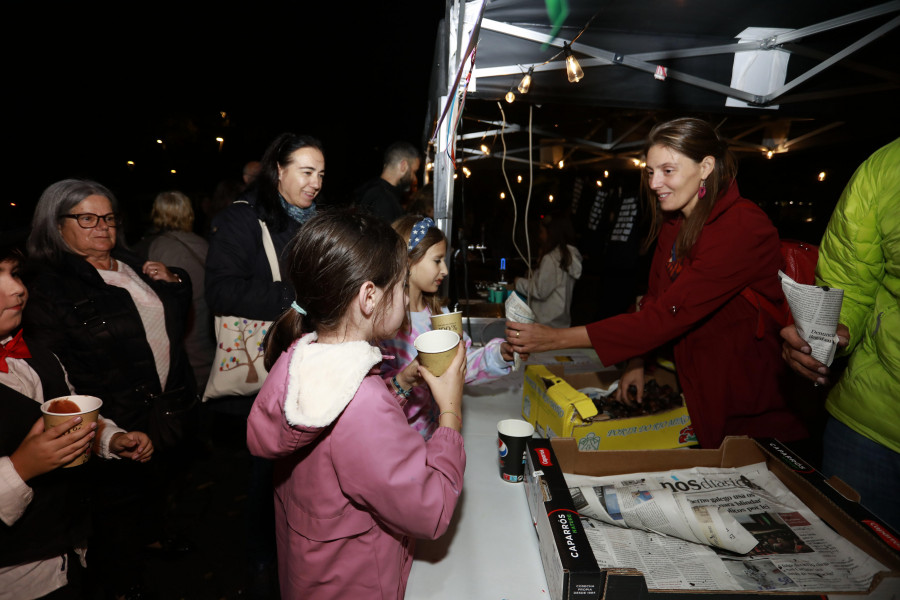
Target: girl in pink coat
[{"x": 354, "y": 484}]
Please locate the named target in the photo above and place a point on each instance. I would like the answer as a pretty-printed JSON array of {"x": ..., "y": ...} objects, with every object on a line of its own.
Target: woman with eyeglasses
[{"x": 116, "y": 323}]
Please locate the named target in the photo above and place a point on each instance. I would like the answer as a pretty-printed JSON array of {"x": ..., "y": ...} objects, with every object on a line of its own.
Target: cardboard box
[
  {"x": 552, "y": 403},
  {"x": 569, "y": 564}
]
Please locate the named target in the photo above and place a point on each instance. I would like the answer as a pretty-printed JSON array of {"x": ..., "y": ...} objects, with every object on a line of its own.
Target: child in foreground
[
  {"x": 427, "y": 247},
  {"x": 43, "y": 523},
  {"x": 354, "y": 485}
]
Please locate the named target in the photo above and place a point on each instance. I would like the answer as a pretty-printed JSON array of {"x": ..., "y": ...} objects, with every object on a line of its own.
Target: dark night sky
[
  {"x": 90, "y": 91},
  {"x": 86, "y": 90}
]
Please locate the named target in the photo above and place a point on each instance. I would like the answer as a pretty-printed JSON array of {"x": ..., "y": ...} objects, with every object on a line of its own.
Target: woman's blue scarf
[{"x": 301, "y": 215}]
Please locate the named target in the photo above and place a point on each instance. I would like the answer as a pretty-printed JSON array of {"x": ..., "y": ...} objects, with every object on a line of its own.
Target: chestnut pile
[{"x": 656, "y": 398}]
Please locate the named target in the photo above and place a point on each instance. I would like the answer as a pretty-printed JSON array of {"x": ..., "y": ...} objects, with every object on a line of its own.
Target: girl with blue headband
[{"x": 427, "y": 248}]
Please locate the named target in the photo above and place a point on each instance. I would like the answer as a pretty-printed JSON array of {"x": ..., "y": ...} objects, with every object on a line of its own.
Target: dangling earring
[{"x": 702, "y": 191}]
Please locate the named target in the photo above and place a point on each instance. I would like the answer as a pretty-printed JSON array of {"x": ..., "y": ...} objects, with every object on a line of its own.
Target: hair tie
[
  {"x": 298, "y": 308},
  {"x": 418, "y": 232}
]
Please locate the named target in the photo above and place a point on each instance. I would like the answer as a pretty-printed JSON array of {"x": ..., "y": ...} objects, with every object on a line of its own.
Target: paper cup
[
  {"x": 512, "y": 434},
  {"x": 448, "y": 321},
  {"x": 88, "y": 410},
  {"x": 436, "y": 349}
]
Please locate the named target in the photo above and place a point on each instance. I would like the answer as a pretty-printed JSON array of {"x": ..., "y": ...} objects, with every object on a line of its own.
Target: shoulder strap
[
  {"x": 781, "y": 316},
  {"x": 270, "y": 251},
  {"x": 268, "y": 245}
]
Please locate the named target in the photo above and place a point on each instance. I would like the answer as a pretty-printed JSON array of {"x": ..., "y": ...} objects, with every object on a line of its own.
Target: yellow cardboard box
[{"x": 552, "y": 403}]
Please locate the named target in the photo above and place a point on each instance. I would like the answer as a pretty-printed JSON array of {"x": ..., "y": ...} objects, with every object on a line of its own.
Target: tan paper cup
[
  {"x": 89, "y": 410},
  {"x": 448, "y": 321},
  {"x": 436, "y": 349}
]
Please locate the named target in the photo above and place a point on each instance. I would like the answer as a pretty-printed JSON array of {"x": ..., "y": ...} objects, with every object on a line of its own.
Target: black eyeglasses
[{"x": 90, "y": 220}]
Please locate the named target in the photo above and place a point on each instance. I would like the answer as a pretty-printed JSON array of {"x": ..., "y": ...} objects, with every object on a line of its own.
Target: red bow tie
[{"x": 15, "y": 348}]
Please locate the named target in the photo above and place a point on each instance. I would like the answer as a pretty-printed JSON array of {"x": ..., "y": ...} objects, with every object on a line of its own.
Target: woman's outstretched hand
[
  {"x": 526, "y": 338},
  {"x": 633, "y": 376}
]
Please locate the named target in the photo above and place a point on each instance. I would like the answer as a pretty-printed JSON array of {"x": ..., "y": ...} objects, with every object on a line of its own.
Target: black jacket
[
  {"x": 97, "y": 333},
  {"x": 55, "y": 520},
  {"x": 238, "y": 277}
]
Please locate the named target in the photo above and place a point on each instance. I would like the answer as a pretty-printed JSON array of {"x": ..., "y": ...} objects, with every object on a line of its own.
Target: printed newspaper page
[
  {"x": 816, "y": 311},
  {"x": 517, "y": 310},
  {"x": 716, "y": 529}
]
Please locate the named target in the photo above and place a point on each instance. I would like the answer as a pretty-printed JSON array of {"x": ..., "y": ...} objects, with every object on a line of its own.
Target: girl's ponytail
[
  {"x": 331, "y": 256},
  {"x": 282, "y": 333}
]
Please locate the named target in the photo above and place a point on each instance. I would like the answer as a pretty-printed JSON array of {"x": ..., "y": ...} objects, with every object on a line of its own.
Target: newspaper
[
  {"x": 716, "y": 529},
  {"x": 816, "y": 311},
  {"x": 518, "y": 311}
]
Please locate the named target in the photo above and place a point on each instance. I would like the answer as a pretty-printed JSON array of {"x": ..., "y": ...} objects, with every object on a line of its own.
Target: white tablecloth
[{"x": 491, "y": 549}]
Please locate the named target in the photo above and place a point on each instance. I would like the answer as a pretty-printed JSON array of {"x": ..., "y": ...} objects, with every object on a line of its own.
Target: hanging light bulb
[
  {"x": 525, "y": 84},
  {"x": 572, "y": 67},
  {"x": 485, "y": 150},
  {"x": 510, "y": 97}
]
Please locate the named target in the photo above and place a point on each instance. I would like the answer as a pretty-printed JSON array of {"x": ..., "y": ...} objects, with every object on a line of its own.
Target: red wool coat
[{"x": 730, "y": 378}]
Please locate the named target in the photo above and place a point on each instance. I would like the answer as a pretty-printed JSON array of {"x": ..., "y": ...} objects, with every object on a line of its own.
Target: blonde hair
[{"x": 172, "y": 211}]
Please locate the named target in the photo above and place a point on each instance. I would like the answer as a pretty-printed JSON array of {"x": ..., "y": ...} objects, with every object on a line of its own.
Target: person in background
[
  {"x": 422, "y": 201},
  {"x": 116, "y": 323},
  {"x": 250, "y": 172},
  {"x": 549, "y": 289},
  {"x": 386, "y": 195},
  {"x": 44, "y": 523},
  {"x": 710, "y": 244},
  {"x": 239, "y": 282},
  {"x": 427, "y": 248},
  {"x": 860, "y": 254},
  {"x": 175, "y": 243},
  {"x": 355, "y": 485}
]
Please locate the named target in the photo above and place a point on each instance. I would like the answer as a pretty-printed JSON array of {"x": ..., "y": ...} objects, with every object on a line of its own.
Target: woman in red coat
[{"x": 711, "y": 244}]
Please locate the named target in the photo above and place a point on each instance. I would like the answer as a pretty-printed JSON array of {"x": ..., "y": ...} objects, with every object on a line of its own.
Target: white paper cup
[
  {"x": 88, "y": 410},
  {"x": 436, "y": 349}
]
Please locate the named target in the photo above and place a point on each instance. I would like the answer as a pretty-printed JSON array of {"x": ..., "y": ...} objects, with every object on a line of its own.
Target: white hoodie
[{"x": 549, "y": 290}]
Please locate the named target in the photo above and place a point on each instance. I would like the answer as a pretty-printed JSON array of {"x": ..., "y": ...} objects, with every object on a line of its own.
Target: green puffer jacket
[{"x": 860, "y": 252}]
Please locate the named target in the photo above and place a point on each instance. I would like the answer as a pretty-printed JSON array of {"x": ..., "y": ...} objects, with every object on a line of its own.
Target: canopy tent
[{"x": 774, "y": 75}]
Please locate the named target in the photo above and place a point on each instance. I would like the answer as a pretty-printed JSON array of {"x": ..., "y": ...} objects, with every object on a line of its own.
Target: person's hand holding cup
[
  {"x": 447, "y": 388},
  {"x": 48, "y": 448},
  {"x": 61, "y": 410},
  {"x": 436, "y": 349}
]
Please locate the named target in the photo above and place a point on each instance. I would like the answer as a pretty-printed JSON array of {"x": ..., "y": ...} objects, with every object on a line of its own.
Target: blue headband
[
  {"x": 298, "y": 308},
  {"x": 418, "y": 232}
]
